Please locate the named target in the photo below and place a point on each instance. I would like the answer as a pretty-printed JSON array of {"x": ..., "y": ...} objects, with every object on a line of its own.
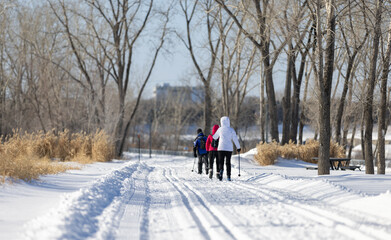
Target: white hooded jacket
[{"x": 226, "y": 135}]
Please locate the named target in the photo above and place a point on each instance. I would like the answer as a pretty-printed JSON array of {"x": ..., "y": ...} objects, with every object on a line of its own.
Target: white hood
[
  {"x": 225, "y": 122},
  {"x": 227, "y": 135}
]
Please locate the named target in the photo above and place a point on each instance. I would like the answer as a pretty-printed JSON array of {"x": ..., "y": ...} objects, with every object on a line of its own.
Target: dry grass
[
  {"x": 268, "y": 153},
  {"x": 308, "y": 151},
  {"x": 289, "y": 150},
  {"x": 102, "y": 148},
  {"x": 29, "y": 155},
  {"x": 28, "y": 167},
  {"x": 336, "y": 150}
]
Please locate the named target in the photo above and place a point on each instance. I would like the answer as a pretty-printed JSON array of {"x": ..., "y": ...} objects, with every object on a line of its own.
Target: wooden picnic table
[{"x": 340, "y": 166}]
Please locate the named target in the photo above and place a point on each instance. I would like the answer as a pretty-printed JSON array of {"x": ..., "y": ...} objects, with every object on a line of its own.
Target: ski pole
[
  {"x": 193, "y": 165},
  {"x": 239, "y": 165}
]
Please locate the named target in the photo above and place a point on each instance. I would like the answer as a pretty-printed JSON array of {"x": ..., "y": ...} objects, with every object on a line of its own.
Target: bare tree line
[
  {"x": 341, "y": 40},
  {"x": 73, "y": 64},
  {"x": 70, "y": 64}
]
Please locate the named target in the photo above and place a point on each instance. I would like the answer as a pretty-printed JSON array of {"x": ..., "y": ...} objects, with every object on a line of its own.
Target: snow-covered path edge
[
  {"x": 161, "y": 198},
  {"x": 92, "y": 212}
]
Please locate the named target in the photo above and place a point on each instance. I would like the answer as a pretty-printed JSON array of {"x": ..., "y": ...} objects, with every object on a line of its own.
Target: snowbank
[{"x": 161, "y": 198}]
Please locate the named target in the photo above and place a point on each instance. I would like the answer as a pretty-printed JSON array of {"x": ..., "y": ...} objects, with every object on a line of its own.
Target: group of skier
[{"x": 217, "y": 146}]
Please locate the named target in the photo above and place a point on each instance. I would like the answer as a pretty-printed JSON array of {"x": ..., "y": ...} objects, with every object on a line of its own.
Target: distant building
[{"x": 185, "y": 94}]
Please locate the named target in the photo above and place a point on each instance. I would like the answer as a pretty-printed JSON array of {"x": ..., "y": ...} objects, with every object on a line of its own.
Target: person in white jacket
[{"x": 226, "y": 136}]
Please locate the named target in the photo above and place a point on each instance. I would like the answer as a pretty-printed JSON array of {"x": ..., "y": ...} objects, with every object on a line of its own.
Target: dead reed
[
  {"x": 26, "y": 156},
  {"x": 267, "y": 153}
]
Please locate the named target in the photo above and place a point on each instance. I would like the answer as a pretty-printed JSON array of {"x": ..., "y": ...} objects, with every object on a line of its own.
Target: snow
[{"x": 161, "y": 198}]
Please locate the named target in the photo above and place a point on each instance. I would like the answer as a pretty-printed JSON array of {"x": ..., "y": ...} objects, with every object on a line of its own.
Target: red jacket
[{"x": 210, "y": 138}]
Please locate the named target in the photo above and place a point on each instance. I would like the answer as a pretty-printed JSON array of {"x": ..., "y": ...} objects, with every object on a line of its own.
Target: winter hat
[{"x": 199, "y": 130}]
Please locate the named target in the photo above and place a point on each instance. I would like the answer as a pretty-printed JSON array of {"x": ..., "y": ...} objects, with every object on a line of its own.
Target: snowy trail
[
  {"x": 160, "y": 198},
  {"x": 211, "y": 222}
]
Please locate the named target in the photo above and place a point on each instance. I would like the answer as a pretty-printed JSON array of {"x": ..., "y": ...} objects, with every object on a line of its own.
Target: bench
[
  {"x": 351, "y": 168},
  {"x": 311, "y": 168},
  {"x": 339, "y": 162}
]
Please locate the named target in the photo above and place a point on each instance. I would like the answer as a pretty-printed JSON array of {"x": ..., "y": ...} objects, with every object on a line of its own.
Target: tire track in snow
[{"x": 326, "y": 214}]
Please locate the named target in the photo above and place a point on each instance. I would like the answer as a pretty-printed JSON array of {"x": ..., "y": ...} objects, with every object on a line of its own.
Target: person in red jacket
[{"x": 211, "y": 147}]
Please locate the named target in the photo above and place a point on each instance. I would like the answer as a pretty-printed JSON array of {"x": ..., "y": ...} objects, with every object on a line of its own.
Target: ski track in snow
[{"x": 160, "y": 198}]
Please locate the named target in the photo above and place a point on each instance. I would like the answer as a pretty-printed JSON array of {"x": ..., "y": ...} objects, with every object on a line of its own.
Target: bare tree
[
  {"x": 189, "y": 11},
  {"x": 164, "y": 31},
  {"x": 297, "y": 81},
  {"x": 382, "y": 122},
  {"x": 368, "y": 104},
  {"x": 303, "y": 103},
  {"x": 72, "y": 32},
  {"x": 352, "y": 49},
  {"x": 290, "y": 25},
  {"x": 179, "y": 116},
  {"x": 37, "y": 69},
  {"x": 262, "y": 106},
  {"x": 325, "y": 78},
  {"x": 3, "y": 75},
  {"x": 262, "y": 39},
  {"x": 125, "y": 22},
  {"x": 236, "y": 66}
]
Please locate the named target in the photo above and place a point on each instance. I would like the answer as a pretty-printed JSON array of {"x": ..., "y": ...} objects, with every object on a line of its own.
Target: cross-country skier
[
  {"x": 226, "y": 135},
  {"x": 199, "y": 150},
  {"x": 211, "y": 147}
]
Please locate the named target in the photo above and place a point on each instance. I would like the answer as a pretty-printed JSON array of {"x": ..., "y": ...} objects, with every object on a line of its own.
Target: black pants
[
  {"x": 225, "y": 156},
  {"x": 212, "y": 156},
  {"x": 202, "y": 159}
]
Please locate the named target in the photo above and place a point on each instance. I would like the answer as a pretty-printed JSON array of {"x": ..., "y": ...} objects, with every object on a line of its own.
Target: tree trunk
[
  {"x": 368, "y": 105},
  {"x": 271, "y": 99},
  {"x": 341, "y": 105},
  {"x": 345, "y": 132},
  {"x": 2, "y": 90},
  {"x": 295, "y": 108},
  {"x": 286, "y": 100},
  {"x": 1, "y": 107},
  {"x": 262, "y": 106},
  {"x": 352, "y": 140},
  {"x": 325, "y": 85},
  {"x": 346, "y": 120},
  {"x": 362, "y": 136},
  {"x": 312, "y": 33},
  {"x": 119, "y": 125},
  {"x": 296, "y": 95},
  {"x": 381, "y": 163},
  {"x": 302, "y": 115},
  {"x": 208, "y": 109}
]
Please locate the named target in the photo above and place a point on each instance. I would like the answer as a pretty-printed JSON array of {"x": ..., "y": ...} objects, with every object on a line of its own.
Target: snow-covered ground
[{"x": 161, "y": 198}]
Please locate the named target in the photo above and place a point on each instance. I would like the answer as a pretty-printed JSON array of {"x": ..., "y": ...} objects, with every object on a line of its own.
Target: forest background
[{"x": 84, "y": 65}]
